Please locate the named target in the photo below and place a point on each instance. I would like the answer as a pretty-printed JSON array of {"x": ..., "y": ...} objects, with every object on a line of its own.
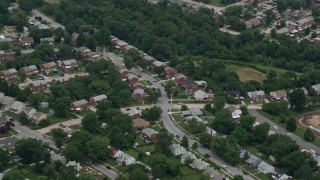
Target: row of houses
[
  {"x": 296, "y": 26},
  {"x": 84, "y": 104},
  {"x": 138, "y": 87},
  {"x": 88, "y": 54}
]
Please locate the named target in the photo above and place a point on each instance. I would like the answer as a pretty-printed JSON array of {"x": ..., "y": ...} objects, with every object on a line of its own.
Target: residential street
[{"x": 53, "y": 23}]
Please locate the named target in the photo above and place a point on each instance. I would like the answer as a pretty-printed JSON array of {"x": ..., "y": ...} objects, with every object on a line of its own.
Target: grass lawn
[
  {"x": 252, "y": 149},
  {"x": 185, "y": 101},
  {"x": 174, "y": 110},
  {"x": 112, "y": 162},
  {"x": 76, "y": 127},
  {"x": 156, "y": 127},
  {"x": 51, "y": 74},
  {"x": 120, "y": 168},
  {"x": 84, "y": 112},
  {"x": 189, "y": 173},
  {"x": 147, "y": 148},
  {"x": 247, "y": 73},
  {"x": 263, "y": 176},
  {"x": 9, "y": 133},
  {"x": 53, "y": 120},
  {"x": 206, "y": 113},
  {"x": 132, "y": 153},
  {"x": 182, "y": 96},
  {"x": 27, "y": 173},
  {"x": 177, "y": 117}
]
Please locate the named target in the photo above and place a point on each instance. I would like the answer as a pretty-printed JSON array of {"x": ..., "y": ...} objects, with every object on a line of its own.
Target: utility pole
[{"x": 171, "y": 99}]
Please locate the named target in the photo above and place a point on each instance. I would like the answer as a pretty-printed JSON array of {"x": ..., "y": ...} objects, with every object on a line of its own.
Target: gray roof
[
  {"x": 130, "y": 111},
  {"x": 196, "y": 163},
  {"x": 121, "y": 43},
  {"x": 192, "y": 111},
  {"x": 50, "y": 39},
  {"x": 70, "y": 61},
  {"x": 148, "y": 58},
  {"x": 123, "y": 70},
  {"x": 38, "y": 82},
  {"x": 28, "y": 51},
  {"x": 17, "y": 105},
  {"x": 282, "y": 30},
  {"x": 198, "y": 119},
  {"x": 179, "y": 75},
  {"x": 7, "y": 100},
  {"x": 255, "y": 94},
  {"x": 263, "y": 166},
  {"x": 3, "y": 118},
  {"x": 138, "y": 91},
  {"x": 9, "y": 71},
  {"x": 80, "y": 102},
  {"x": 305, "y": 20},
  {"x": 131, "y": 76},
  {"x": 253, "y": 160},
  {"x": 158, "y": 63},
  {"x": 149, "y": 132},
  {"x": 31, "y": 68},
  {"x": 99, "y": 98},
  {"x": 62, "y": 78},
  {"x": 82, "y": 49}
]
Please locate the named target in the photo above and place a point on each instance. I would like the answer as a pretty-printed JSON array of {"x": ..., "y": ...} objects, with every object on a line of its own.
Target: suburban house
[
  {"x": 83, "y": 50},
  {"x": 265, "y": 168},
  {"x": 179, "y": 79},
  {"x": 280, "y": 94},
  {"x": 196, "y": 118},
  {"x": 139, "y": 123},
  {"x": 30, "y": 70},
  {"x": 132, "y": 78},
  {"x": 316, "y": 88},
  {"x": 25, "y": 53},
  {"x": 211, "y": 131},
  {"x": 17, "y": 107},
  {"x": 93, "y": 56},
  {"x": 253, "y": 161},
  {"x": 6, "y": 102},
  {"x": 50, "y": 40},
  {"x": 128, "y": 47},
  {"x": 38, "y": 85},
  {"x": 94, "y": 100},
  {"x": 233, "y": 93},
  {"x": 150, "y": 134},
  {"x": 68, "y": 64},
  {"x": 235, "y": 112},
  {"x": 177, "y": 150},
  {"x": 197, "y": 164},
  {"x": 138, "y": 85},
  {"x": 123, "y": 73},
  {"x": 305, "y": 22},
  {"x": 63, "y": 79},
  {"x": 189, "y": 86},
  {"x": 201, "y": 95},
  {"x": 187, "y": 155},
  {"x": 79, "y": 105},
  {"x": 132, "y": 112},
  {"x": 169, "y": 72},
  {"x": 76, "y": 166},
  {"x": 138, "y": 94},
  {"x": 115, "y": 153},
  {"x": 212, "y": 174},
  {"x": 8, "y": 74},
  {"x": 48, "y": 67},
  {"x": 201, "y": 84},
  {"x": 29, "y": 111},
  {"x": 38, "y": 117},
  {"x": 5, "y": 55},
  {"x": 120, "y": 44},
  {"x": 192, "y": 112},
  {"x": 125, "y": 159},
  {"x": 26, "y": 41},
  {"x": 3, "y": 120},
  {"x": 148, "y": 59},
  {"x": 157, "y": 64},
  {"x": 257, "y": 96},
  {"x": 65, "y": 128},
  {"x": 10, "y": 28},
  {"x": 253, "y": 22}
]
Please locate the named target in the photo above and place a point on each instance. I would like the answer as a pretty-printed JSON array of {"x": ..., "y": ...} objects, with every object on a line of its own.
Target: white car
[
  {"x": 275, "y": 127},
  {"x": 224, "y": 166}
]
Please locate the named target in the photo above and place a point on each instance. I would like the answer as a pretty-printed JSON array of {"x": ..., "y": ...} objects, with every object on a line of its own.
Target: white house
[
  {"x": 74, "y": 164},
  {"x": 235, "y": 112},
  {"x": 192, "y": 112},
  {"x": 116, "y": 153},
  {"x": 201, "y": 95},
  {"x": 29, "y": 111},
  {"x": 125, "y": 159},
  {"x": 18, "y": 107},
  {"x": 211, "y": 131},
  {"x": 187, "y": 155},
  {"x": 316, "y": 88},
  {"x": 265, "y": 168},
  {"x": 177, "y": 150},
  {"x": 198, "y": 164}
]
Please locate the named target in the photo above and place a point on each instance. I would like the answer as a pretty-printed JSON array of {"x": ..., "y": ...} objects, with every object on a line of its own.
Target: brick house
[
  {"x": 139, "y": 123},
  {"x": 132, "y": 78},
  {"x": 68, "y": 64},
  {"x": 157, "y": 64},
  {"x": 280, "y": 94},
  {"x": 9, "y": 74},
  {"x": 10, "y": 28},
  {"x": 138, "y": 94},
  {"x": 93, "y": 56},
  {"x": 169, "y": 72},
  {"x": 5, "y": 55},
  {"x": 138, "y": 85},
  {"x": 79, "y": 105},
  {"x": 83, "y": 50},
  {"x": 30, "y": 70},
  {"x": 26, "y": 41},
  {"x": 148, "y": 59},
  {"x": 25, "y": 53},
  {"x": 39, "y": 85},
  {"x": 94, "y": 100},
  {"x": 48, "y": 67},
  {"x": 123, "y": 73},
  {"x": 120, "y": 44},
  {"x": 189, "y": 86},
  {"x": 150, "y": 134},
  {"x": 180, "y": 79}
]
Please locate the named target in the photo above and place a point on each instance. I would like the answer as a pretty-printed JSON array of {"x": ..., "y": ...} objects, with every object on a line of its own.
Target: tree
[
  {"x": 91, "y": 123},
  {"x": 164, "y": 142},
  {"x": 195, "y": 145},
  {"x": 205, "y": 139},
  {"x": 49, "y": 170},
  {"x": 81, "y": 40},
  {"x": 61, "y": 107},
  {"x": 35, "y": 99},
  {"x": 223, "y": 122},
  {"x": 31, "y": 151},
  {"x": 244, "y": 110},
  {"x": 291, "y": 125},
  {"x": 4, "y": 159},
  {"x": 246, "y": 122},
  {"x": 305, "y": 160},
  {"x": 227, "y": 148},
  {"x": 44, "y": 51},
  {"x": 23, "y": 119},
  {"x": 103, "y": 108},
  {"x": 22, "y": 76},
  {"x": 297, "y": 99},
  {"x": 59, "y": 136},
  {"x": 242, "y": 136},
  {"x": 152, "y": 114},
  {"x": 98, "y": 149},
  {"x": 219, "y": 102},
  {"x": 103, "y": 37},
  {"x": 59, "y": 34},
  {"x": 260, "y": 132},
  {"x": 90, "y": 43},
  {"x": 185, "y": 142},
  {"x": 308, "y": 135},
  {"x": 237, "y": 177},
  {"x": 73, "y": 151},
  {"x": 184, "y": 107},
  {"x": 65, "y": 51}
]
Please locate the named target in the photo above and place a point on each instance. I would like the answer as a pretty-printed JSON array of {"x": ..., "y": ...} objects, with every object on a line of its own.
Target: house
[
  {"x": 79, "y": 105},
  {"x": 38, "y": 117},
  {"x": 201, "y": 84},
  {"x": 65, "y": 128},
  {"x": 253, "y": 161},
  {"x": 257, "y": 96},
  {"x": 3, "y": 120},
  {"x": 132, "y": 112},
  {"x": 201, "y": 95},
  {"x": 62, "y": 79},
  {"x": 26, "y": 41},
  {"x": 189, "y": 86},
  {"x": 235, "y": 112},
  {"x": 169, "y": 72},
  {"x": 280, "y": 94},
  {"x": 17, "y": 107},
  {"x": 25, "y": 53},
  {"x": 43, "y": 26},
  {"x": 212, "y": 174},
  {"x": 48, "y": 67},
  {"x": 265, "y": 168},
  {"x": 132, "y": 78},
  {"x": 75, "y": 165},
  {"x": 120, "y": 44},
  {"x": 68, "y": 64},
  {"x": 38, "y": 85},
  {"x": 94, "y": 100},
  {"x": 305, "y": 22},
  {"x": 233, "y": 93},
  {"x": 316, "y": 88},
  {"x": 123, "y": 73},
  {"x": 50, "y": 40},
  {"x": 30, "y": 70},
  {"x": 253, "y": 22},
  {"x": 284, "y": 177},
  {"x": 29, "y": 111},
  {"x": 179, "y": 79},
  {"x": 198, "y": 164},
  {"x": 195, "y": 7},
  {"x": 192, "y": 112},
  {"x": 5, "y": 55},
  {"x": 158, "y": 64},
  {"x": 93, "y": 56},
  {"x": 9, "y": 74},
  {"x": 211, "y": 131},
  {"x": 177, "y": 150},
  {"x": 150, "y": 134},
  {"x": 7, "y": 102},
  {"x": 128, "y": 47},
  {"x": 138, "y": 85},
  {"x": 125, "y": 159},
  {"x": 10, "y": 28},
  {"x": 83, "y": 51},
  {"x": 138, "y": 94},
  {"x": 139, "y": 123},
  {"x": 187, "y": 155},
  {"x": 196, "y": 118},
  {"x": 115, "y": 153},
  {"x": 148, "y": 59}
]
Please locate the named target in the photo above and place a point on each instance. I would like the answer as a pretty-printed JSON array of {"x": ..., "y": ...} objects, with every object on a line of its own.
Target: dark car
[
  {"x": 108, "y": 167},
  {"x": 177, "y": 136},
  {"x": 207, "y": 155}
]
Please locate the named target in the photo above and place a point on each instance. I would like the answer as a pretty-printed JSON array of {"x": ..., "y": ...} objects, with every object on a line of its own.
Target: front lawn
[
  {"x": 9, "y": 133},
  {"x": 147, "y": 148},
  {"x": 177, "y": 117},
  {"x": 84, "y": 112}
]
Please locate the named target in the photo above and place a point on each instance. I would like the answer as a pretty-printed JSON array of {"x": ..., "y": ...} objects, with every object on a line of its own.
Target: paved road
[
  {"x": 281, "y": 130},
  {"x": 53, "y": 23}
]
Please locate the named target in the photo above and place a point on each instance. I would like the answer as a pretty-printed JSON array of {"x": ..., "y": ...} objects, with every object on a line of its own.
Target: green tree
[
  {"x": 103, "y": 37},
  {"x": 205, "y": 139},
  {"x": 35, "y": 99},
  {"x": 98, "y": 149},
  {"x": 152, "y": 114},
  {"x": 185, "y": 142},
  {"x": 22, "y": 76},
  {"x": 297, "y": 99},
  {"x": 219, "y": 102},
  {"x": 195, "y": 145},
  {"x": 223, "y": 122},
  {"x": 59, "y": 136},
  {"x": 49, "y": 170},
  {"x": 164, "y": 142},
  {"x": 61, "y": 106},
  {"x": 91, "y": 123},
  {"x": 31, "y": 151},
  {"x": 291, "y": 125},
  {"x": 81, "y": 40},
  {"x": 65, "y": 51},
  {"x": 73, "y": 151},
  {"x": 184, "y": 107},
  {"x": 308, "y": 135},
  {"x": 23, "y": 119},
  {"x": 260, "y": 132},
  {"x": 242, "y": 136},
  {"x": 4, "y": 159}
]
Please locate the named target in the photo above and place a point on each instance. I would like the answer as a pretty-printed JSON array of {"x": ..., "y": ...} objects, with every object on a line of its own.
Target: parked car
[{"x": 207, "y": 155}]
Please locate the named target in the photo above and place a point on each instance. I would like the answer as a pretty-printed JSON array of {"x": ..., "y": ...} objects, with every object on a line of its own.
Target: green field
[{"x": 247, "y": 73}]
